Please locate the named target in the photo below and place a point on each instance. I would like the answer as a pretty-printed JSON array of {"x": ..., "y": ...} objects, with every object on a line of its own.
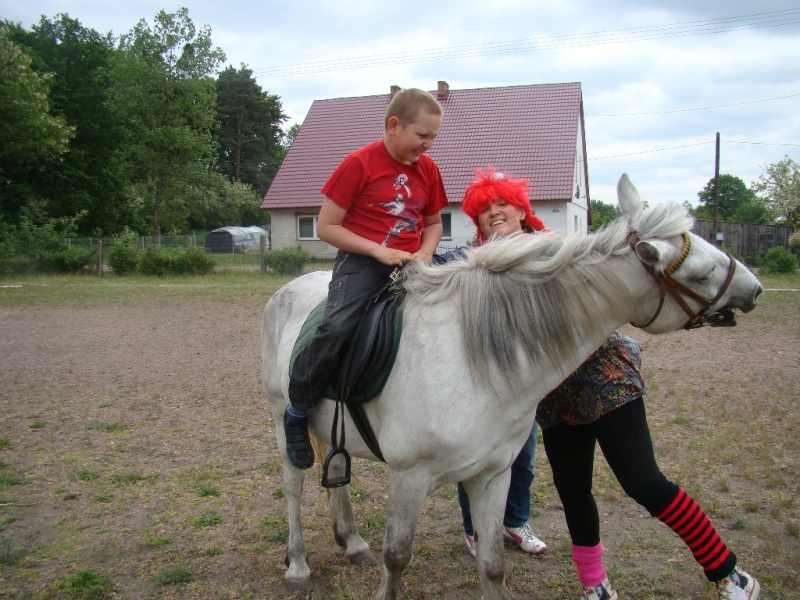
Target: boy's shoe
[
  {"x": 298, "y": 445},
  {"x": 469, "y": 540},
  {"x": 738, "y": 586},
  {"x": 524, "y": 538},
  {"x": 603, "y": 591}
]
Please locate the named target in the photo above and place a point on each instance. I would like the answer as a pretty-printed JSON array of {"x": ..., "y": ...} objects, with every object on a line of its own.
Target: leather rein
[{"x": 677, "y": 290}]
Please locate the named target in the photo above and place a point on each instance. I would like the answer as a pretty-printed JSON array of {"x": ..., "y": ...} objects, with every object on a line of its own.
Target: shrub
[
  {"x": 167, "y": 261},
  {"x": 794, "y": 242},
  {"x": 288, "y": 261},
  {"x": 779, "y": 260},
  {"x": 123, "y": 258},
  {"x": 64, "y": 260},
  {"x": 158, "y": 261},
  {"x": 195, "y": 261}
]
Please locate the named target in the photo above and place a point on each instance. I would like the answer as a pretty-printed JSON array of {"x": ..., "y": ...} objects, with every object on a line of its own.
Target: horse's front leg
[
  {"x": 407, "y": 493},
  {"x": 487, "y": 501},
  {"x": 345, "y": 530}
]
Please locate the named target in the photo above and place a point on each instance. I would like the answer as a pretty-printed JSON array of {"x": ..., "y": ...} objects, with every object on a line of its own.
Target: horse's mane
[{"x": 527, "y": 291}]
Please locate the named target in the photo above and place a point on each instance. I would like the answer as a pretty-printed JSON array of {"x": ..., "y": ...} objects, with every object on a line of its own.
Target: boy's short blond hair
[{"x": 409, "y": 103}]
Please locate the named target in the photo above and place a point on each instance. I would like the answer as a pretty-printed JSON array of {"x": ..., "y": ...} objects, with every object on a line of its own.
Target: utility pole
[{"x": 716, "y": 195}]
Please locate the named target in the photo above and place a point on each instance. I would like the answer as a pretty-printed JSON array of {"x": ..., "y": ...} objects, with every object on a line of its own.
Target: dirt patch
[{"x": 138, "y": 439}]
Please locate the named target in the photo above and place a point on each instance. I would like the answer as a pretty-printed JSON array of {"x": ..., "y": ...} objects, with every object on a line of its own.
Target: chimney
[
  {"x": 443, "y": 90},
  {"x": 394, "y": 89}
]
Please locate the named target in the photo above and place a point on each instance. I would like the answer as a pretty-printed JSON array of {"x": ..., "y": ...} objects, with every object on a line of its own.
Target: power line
[
  {"x": 665, "y": 112},
  {"x": 652, "y": 151},
  {"x": 637, "y": 34},
  {"x": 759, "y": 143}
]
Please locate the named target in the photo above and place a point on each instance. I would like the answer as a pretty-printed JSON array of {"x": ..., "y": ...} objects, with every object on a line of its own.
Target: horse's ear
[
  {"x": 649, "y": 252},
  {"x": 628, "y": 196}
]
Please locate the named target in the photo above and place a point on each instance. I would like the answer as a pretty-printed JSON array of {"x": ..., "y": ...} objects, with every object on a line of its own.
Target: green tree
[
  {"x": 78, "y": 59},
  {"x": 290, "y": 134},
  {"x": 780, "y": 189},
  {"x": 250, "y": 137},
  {"x": 733, "y": 192},
  {"x": 30, "y": 135},
  {"x": 165, "y": 98},
  {"x": 602, "y": 213}
]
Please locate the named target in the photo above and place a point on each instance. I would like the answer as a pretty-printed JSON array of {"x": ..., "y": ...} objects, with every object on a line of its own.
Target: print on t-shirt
[{"x": 397, "y": 207}]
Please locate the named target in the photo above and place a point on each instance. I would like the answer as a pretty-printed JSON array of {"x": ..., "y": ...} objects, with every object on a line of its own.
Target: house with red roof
[{"x": 534, "y": 132}]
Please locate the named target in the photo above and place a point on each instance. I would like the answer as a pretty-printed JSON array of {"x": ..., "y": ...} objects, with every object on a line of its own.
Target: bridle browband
[{"x": 677, "y": 290}]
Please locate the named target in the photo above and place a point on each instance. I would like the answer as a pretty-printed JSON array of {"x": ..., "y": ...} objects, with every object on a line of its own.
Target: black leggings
[{"x": 625, "y": 440}]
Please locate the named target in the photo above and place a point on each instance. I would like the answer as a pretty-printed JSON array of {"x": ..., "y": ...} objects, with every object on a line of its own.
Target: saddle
[
  {"x": 370, "y": 355},
  {"x": 363, "y": 371}
]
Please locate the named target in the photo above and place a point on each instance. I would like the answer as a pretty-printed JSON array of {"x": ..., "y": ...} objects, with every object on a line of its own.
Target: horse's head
[{"x": 704, "y": 283}]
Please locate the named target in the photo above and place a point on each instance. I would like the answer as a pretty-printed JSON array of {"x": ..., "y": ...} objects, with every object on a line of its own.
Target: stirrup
[{"x": 336, "y": 482}]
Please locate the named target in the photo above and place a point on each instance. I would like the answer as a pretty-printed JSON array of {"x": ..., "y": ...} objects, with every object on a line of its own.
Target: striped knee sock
[{"x": 685, "y": 517}]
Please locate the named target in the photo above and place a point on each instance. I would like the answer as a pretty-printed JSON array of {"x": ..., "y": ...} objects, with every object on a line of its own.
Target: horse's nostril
[{"x": 759, "y": 289}]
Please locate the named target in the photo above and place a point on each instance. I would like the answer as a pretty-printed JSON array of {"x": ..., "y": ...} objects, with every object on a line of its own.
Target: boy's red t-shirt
[{"x": 386, "y": 200}]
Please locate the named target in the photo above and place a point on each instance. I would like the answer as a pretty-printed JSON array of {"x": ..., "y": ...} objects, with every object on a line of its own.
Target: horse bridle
[{"x": 677, "y": 290}]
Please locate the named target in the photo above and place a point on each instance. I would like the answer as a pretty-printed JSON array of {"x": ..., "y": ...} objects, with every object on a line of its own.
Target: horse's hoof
[
  {"x": 364, "y": 558},
  {"x": 298, "y": 586}
]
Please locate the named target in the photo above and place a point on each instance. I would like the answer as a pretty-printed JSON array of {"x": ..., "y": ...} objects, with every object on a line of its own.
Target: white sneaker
[
  {"x": 524, "y": 538},
  {"x": 738, "y": 586},
  {"x": 470, "y": 541},
  {"x": 603, "y": 591}
]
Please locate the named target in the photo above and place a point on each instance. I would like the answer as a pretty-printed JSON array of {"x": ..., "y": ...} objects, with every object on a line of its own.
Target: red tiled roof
[{"x": 526, "y": 131}]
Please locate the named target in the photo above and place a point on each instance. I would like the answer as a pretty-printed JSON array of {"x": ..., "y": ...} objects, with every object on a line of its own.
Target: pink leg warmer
[{"x": 589, "y": 560}]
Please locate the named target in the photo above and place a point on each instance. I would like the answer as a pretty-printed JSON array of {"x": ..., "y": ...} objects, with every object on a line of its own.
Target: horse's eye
[{"x": 707, "y": 276}]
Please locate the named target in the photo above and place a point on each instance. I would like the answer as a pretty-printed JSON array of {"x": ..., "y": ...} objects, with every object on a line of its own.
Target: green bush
[
  {"x": 779, "y": 260},
  {"x": 794, "y": 242},
  {"x": 195, "y": 261},
  {"x": 167, "y": 261},
  {"x": 157, "y": 261},
  {"x": 288, "y": 261},
  {"x": 123, "y": 258},
  {"x": 64, "y": 260}
]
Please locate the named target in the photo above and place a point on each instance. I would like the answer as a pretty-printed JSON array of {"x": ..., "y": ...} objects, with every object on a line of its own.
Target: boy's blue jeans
[
  {"x": 518, "y": 504},
  {"x": 356, "y": 280}
]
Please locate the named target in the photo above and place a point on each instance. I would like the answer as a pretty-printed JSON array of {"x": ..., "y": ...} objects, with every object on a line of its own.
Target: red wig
[{"x": 488, "y": 187}]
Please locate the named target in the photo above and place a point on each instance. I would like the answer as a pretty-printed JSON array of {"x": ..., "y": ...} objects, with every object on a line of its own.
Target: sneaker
[
  {"x": 602, "y": 591},
  {"x": 524, "y": 538},
  {"x": 469, "y": 540},
  {"x": 298, "y": 445},
  {"x": 738, "y": 586}
]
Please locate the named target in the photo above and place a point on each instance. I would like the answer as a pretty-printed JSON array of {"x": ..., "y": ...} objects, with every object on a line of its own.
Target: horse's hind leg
[
  {"x": 298, "y": 575},
  {"x": 407, "y": 493},
  {"x": 345, "y": 530}
]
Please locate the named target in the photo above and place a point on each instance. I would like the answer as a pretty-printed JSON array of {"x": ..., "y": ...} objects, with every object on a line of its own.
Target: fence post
[
  {"x": 263, "y": 244},
  {"x": 189, "y": 242},
  {"x": 99, "y": 258}
]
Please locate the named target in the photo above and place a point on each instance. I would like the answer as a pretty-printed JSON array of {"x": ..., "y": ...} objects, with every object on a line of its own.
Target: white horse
[{"x": 484, "y": 340}]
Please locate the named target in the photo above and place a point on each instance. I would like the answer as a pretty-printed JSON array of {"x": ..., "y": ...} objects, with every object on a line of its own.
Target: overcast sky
[{"x": 659, "y": 78}]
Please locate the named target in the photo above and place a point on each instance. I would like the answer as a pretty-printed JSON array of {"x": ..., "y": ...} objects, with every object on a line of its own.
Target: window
[
  {"x": 447, "y": 227},
  {"x": 307, "y": 227}
]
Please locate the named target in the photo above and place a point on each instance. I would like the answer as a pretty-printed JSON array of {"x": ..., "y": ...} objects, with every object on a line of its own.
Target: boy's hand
[
  {"x": 391, "y": 257},
  {"x": 423, "y": 256}
]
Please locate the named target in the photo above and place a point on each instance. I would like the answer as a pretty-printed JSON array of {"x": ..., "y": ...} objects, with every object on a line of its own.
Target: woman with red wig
[
  {"x": 600, "y": 403},
  {"x": 499, "y": 206}
]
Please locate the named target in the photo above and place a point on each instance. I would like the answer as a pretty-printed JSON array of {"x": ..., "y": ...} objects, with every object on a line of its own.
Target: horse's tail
[{"x": 320, "y": 447}]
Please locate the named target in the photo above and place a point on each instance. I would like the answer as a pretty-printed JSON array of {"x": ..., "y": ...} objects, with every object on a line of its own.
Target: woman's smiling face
[{"x": 500, "y": 218}]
